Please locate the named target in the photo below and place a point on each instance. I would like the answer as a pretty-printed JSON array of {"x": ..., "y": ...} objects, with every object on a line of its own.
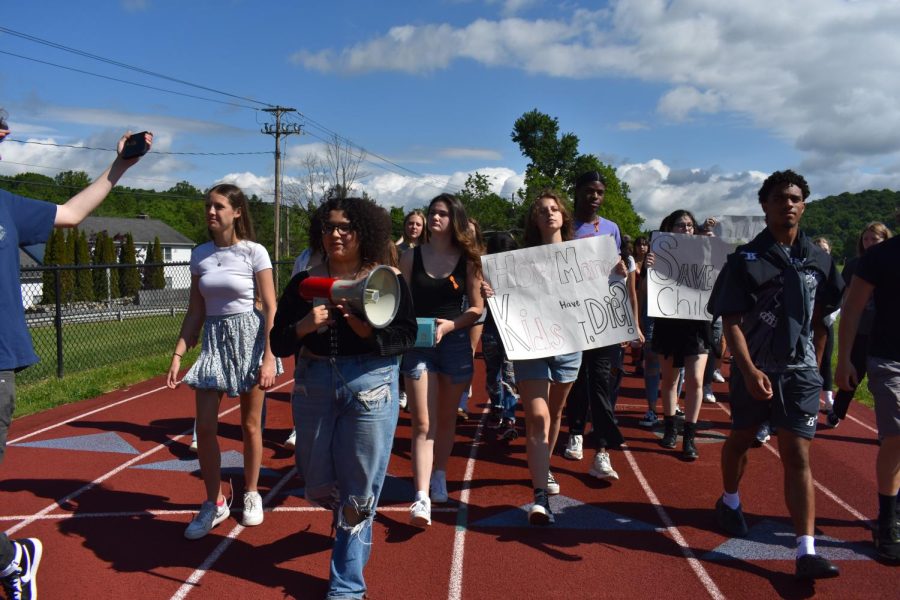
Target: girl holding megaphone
[{"x": 345, "y": 399}]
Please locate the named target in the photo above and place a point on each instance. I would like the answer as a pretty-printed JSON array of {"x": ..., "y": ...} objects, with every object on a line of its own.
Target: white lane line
[
  {"x": 59, "y": 503},
  {"x": 196, "y": 576},
  {"x": 165, "y": 513},
  {"x": 864, "y": 425},
  {"x": 707, "y": 581},
  {"x": 819, "y": 486},
  {"x": 83, "y": 415},
  {"x": 459, "y": 538}
]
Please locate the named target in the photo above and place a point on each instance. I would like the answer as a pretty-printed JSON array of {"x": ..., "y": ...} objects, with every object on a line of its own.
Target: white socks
[
  {"x": 806, "y": 544},
  {"x": 732, "y": 501}
]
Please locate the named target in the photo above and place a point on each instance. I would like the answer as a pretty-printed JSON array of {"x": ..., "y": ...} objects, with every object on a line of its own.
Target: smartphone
[{"x": 135, "y": 145}]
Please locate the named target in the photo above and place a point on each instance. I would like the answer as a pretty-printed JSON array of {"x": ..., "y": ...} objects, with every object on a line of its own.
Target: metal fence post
[{"x": 57, "y": 322}]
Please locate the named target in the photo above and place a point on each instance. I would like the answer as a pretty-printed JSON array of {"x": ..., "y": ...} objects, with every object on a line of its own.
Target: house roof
[
  {"x": 143, "y": 230},
  {"x": 26, "y": 260}
]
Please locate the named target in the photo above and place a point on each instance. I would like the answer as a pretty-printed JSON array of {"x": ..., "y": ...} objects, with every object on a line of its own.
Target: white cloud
[
  {"x": 632, "y": 126},
  {"x": 470, "y": 153},
  {"x": 657, "y": 190},
  {"x": 818, "y": 73}
]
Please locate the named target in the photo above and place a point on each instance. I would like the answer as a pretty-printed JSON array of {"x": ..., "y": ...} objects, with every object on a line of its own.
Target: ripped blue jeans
[{"x": 345, "y": 411}]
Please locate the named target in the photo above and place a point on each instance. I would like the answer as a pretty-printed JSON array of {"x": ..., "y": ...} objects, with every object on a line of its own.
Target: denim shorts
[
  {"x": 451, "y": 357},
  {"x": 559, "y": 369}
]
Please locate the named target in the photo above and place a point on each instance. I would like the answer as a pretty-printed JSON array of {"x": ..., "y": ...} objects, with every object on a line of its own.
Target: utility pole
[{"x": 277, "y": 131}]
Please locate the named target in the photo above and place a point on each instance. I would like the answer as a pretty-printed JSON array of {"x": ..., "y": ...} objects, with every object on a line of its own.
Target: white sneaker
[
  {"x": 291, "y": 442},
  {"x": 602, "y": 467},
  {"x": 420, "y": 513},
  {"x": 438, "y": 487},
  {"x": 575, "y": 447},
  {"x": 552, "y": 485},
  {"x": 209, "y": 516},
  {"x": 193, "y": 446},
  {"x": 403, "y": 400},
  {"x": 709, "y": 398},
  {"x": 253, "y": 509},
  {"x": 718, "y": 377}
]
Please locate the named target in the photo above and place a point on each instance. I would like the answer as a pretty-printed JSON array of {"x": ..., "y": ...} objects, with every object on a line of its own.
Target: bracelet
[{"x": 178, "y": 355}]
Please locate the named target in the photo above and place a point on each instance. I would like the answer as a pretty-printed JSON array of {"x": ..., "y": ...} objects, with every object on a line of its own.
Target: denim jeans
[
  {"x": 499, "y": 375},
  {"x": 345, "y": 411}
]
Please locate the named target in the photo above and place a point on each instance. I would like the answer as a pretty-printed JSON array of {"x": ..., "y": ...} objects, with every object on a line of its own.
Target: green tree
[
  {"x": 54, "y": 249},
  {"x": 555, "y": 162},
  {"x": 130, "y": 280},
  {"x": 101, "y": 283},
  {"x": 156, "y": 279},
  {"x": 109, "y": 258},
  {"x": 67, "y": 276},
  {"x": 84, "y": 282},
  {"x": 72, "y": 182},
  {"x": 492, "y": 212}
]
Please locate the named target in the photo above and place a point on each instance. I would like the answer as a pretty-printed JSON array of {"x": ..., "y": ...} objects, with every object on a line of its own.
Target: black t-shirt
[
  {"x": 880, "y": 266},
  {"x": 339, "y": 339},
  {"x": 868, "y": 315}
]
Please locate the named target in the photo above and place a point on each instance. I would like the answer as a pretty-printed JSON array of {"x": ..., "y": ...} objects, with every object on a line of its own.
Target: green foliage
[
  {"x": 842, "y": 218},
  {"x": 492, "y": 212},
  {"x": 397, "y": 216},
  {"x": 101, "y": 289},
  {"x": 109, "y": 258},
  {"x": 67, "y": 276},
  {"x": 555, "y": 163},
  {"x": 155, "y": 276},
  {"x": 74, "y": 181},
  {"x": 53, "y": 250},
  {"x": 84, "y": 282},
  {"x": 129, "y": 279}
]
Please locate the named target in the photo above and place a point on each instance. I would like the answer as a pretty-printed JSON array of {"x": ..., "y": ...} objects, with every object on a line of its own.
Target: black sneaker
[
  {"x": 731, "y": 520},
  {"x": 887, "y": 542},
  {"x": 540, "y": 513},
  {"x": 509, "y": 430},
  {"x": 494, "y": 420},
  {"x": 814, "y": 566},
  {"x": 21, "y": 584},
  {"x": 832, "y": 419}
]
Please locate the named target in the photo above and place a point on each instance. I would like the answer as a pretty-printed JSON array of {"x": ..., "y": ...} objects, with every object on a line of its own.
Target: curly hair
[
  {"x": 532, "y": 235},
  {"x": 460, "y": 234},
  {"x": 371, "y": 222},
  {"x": 780, "y": 179},
  {"x": 243, "y": 225},
  {"x": 876, "y": 227}
]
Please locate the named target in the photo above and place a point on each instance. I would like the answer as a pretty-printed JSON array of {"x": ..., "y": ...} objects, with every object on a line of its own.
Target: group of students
[
  {"x": 345, "y": 401},
  {"x": 772, "y": 296}
]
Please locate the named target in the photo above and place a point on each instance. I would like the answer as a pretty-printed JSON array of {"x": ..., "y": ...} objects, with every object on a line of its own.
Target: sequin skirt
[{"x": 231, "y": 355}]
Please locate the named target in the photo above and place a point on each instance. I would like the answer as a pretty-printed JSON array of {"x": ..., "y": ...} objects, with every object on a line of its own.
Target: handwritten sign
[
  {"x": 739, "y": 229},
  {"x": 559, "y": 298},
  {"x": 683, "y": 274}
]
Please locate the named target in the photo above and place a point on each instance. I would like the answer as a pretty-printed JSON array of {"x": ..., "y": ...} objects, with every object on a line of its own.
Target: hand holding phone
[{"x": 136, "y": 145}]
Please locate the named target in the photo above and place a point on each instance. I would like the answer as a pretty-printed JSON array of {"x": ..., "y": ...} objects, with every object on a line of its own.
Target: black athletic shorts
[{"x": 794, "y": 405}]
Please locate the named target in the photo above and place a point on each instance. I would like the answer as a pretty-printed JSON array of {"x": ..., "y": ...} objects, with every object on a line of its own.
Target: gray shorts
[
  {"x": 884, "y": 383},
  {"x": 7, "y": 406}
]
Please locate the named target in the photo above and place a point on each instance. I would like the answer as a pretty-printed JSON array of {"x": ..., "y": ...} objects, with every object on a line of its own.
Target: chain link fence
[{"x": 82, "y": 317}]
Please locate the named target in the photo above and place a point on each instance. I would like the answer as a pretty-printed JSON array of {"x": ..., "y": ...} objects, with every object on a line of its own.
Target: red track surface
[{"x": 112, "y": 530}]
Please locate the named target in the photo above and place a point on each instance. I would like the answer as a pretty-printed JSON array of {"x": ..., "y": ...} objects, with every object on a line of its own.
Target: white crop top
[{"x": 227, "y": 275}]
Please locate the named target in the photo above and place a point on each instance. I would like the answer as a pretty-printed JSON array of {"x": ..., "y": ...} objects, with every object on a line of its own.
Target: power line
[
  {"x": 143, "y": 85},
  {"x": 151, "y": 152},
  {"x": 125, "y": 65}
]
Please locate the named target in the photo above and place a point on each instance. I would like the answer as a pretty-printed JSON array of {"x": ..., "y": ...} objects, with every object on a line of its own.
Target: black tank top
[{"x": 438, "y": 298}]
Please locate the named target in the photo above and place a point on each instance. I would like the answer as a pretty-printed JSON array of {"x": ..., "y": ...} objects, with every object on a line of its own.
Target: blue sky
[{"x": 693, "y": 101}]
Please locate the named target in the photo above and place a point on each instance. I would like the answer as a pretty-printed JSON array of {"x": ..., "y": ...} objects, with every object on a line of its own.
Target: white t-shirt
[
  {"x": 228, "y": 275},
  {"x": 630, "y": 265}
]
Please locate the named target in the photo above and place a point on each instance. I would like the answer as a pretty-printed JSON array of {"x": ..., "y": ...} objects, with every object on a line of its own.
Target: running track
[{"x": 107, "y": 485}]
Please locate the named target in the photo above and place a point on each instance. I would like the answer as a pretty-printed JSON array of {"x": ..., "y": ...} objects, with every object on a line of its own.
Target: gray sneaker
[
  {"x": 552, "y": 485},
  {"x": 209, "y": 516}
]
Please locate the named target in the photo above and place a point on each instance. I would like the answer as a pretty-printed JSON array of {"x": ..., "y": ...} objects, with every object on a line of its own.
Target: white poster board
[
  {"x": 559, "y": 298},
  {"x": 739, "y": 229},
  {"x": 684, "y": 270}
]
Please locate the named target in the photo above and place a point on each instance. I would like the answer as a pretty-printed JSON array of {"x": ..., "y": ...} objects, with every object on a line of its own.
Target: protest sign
[
  {"x": 739, "y": 229},
  {"x": 684, "y": 270},
  {"x": 559, "y": 298}
]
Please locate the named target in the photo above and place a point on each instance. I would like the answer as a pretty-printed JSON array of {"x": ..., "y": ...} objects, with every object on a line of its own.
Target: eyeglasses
[{"x": 341, "y": 228}]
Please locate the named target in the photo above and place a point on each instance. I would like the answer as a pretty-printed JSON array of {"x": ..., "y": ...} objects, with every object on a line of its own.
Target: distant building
[{"x": 175, "y": 246}]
